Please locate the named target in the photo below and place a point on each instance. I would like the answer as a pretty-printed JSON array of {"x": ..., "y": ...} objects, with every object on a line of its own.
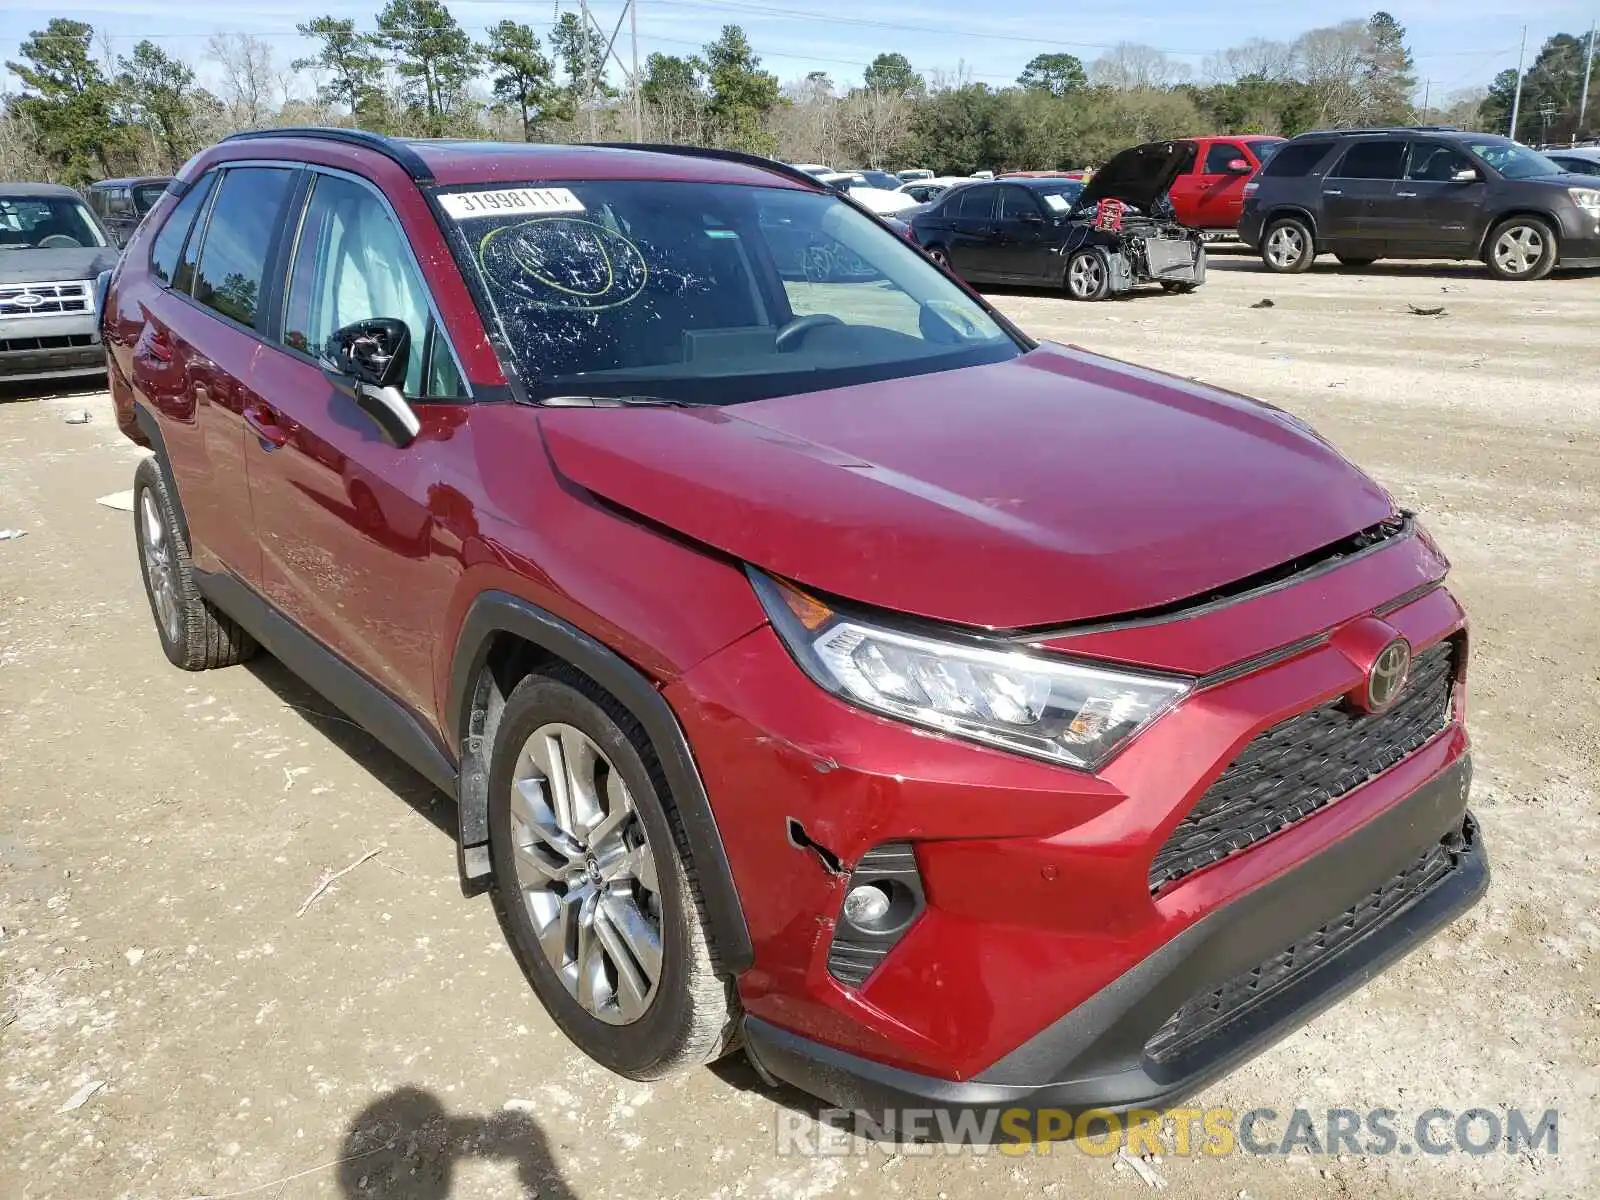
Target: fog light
[{"x": 866, "y": 906}]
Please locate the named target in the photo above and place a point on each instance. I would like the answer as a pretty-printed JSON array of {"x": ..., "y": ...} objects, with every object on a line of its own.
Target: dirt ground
[{"x": 161, "y": 832}]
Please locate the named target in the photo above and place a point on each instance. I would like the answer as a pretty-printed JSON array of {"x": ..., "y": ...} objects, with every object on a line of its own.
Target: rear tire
[
  {"x": 1287, "y": 246},
  {"x": 194, "y": 635},
  {"x": 941, "y": 256},
  {"x": 1520, "y": 249},
  {"x": 594, "y": 883},
  {"x": 1088, "y": 276}
]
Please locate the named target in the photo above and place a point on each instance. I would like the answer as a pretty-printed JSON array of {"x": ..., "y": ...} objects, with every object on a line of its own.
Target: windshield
[
  {"x": 1512, "y": 159},
  {"x": 709, "y": 293},
  {"x": 46, "y": 223},
  {"x": 881, "y": 179}
]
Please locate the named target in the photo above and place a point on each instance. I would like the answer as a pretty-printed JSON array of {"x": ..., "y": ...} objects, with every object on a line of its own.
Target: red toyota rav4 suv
[{"x": 822, "y": 666}]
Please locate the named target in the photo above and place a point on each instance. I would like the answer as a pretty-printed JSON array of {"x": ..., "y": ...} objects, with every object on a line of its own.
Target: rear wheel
[
  {"x": 595, "y": 885},
  {"x": 1287, "y": 246},
  {"x": 1088, "y": 277},
  {"x": 940, "y": 256},
  {"x": 194, "y": 635},
  {"x": 1521, "y": 248}
]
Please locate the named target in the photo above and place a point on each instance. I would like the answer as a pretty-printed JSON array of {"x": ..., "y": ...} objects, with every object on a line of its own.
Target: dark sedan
[{"x": 1003, "y": 232}]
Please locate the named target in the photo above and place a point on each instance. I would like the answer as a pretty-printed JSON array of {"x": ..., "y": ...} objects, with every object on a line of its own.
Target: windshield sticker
[
  {"x": 509, "y": 203},
  {"x": 564, "y": 263},
  {"x": 1055, "y": 202}
]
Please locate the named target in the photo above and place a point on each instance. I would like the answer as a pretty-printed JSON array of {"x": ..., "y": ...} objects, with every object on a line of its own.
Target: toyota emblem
[{"x": 1388, "y": 675}]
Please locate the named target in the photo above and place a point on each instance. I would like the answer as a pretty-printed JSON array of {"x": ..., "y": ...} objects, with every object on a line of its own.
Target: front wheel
[
  {"x": 594, "y": 884},
  {"x": 1088, "y": 277},
  {"x": 1521, "y": 248},
  {"x": 941, "y": 256},
  {"x": 1287, "y": 246}
]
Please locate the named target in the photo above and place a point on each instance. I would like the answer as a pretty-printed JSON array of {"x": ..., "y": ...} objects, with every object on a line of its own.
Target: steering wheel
[
  {"x": 792, "y": 334},
  {"x": 60, "y": 241}
]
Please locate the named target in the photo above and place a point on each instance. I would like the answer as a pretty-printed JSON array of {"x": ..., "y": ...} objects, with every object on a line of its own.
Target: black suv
[{"x": 1421, "y": 192}]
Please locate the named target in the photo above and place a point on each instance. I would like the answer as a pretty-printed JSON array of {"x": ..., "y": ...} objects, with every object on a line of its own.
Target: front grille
[
  {"x": 44, "y": 299},
  {"x": 1303, "y": 764},
  {"x": 1206, "y": 1016},
  {"x": 68, "y": 341}
]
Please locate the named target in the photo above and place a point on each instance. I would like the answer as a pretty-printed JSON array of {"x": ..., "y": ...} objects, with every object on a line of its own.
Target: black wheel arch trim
[
  {"x": 151, "y": 428},
  {"x": 495, "y": 612},
  {"x": 1548, "y": 219}
]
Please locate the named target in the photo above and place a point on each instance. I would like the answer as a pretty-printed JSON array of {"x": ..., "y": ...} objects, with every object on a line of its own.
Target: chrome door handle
[
  {"x": 1406, "y": 195},
  {"x": 1332, "y": 192}
]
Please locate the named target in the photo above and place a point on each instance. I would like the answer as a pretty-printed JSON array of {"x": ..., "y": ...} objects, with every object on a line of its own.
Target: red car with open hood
[{"x": 818, "y": 664}]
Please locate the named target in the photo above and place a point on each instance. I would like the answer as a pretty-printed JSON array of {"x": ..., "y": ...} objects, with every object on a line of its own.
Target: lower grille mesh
[
  {"x": 1206, "y": 1016},
  {"x": 1304, "y": 763}
]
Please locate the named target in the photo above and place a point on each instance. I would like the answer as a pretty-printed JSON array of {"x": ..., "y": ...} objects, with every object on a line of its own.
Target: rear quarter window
[
  {"x": 168, "y": 245},
  {"x": 1295, "y": 158}
]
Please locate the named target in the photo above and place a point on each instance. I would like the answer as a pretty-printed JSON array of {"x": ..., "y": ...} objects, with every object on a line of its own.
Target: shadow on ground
[
  {"x": 405, "y": 1146},
  {"x": 385, "y": 767},
  {"x": 51, "y": 389}
]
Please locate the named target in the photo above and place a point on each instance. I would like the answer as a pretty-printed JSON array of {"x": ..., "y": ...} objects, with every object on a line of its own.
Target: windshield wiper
[{"x": 618, "y": 402}]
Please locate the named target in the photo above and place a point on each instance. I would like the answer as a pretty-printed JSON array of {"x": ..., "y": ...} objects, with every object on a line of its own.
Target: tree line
[{"x": 84, "y": 113}]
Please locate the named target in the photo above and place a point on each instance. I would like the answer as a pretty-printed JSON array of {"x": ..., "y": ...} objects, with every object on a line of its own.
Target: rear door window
[
  {"x": 169, "y": 242},
  {"x": 974, "y": 203},
  {"x": 1373, "y": 160},
  {"x": 239, "y": 240}
]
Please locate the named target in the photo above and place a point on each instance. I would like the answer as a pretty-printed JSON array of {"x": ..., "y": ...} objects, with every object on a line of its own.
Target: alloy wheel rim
[
  {"x": 159, "y": 567},
  {"x": 1284, "y": 246},
  {"x": 939, "y": 257},
  {"x": 1085, "y": 275},
  {"x": 1519, "y": 249},
  {"x": 586, "y": 874}
]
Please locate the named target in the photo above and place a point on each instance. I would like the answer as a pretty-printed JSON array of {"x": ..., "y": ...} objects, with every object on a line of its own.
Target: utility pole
[
  {"x": 638, "y": 101},
  {"x": 1588, "y": 65},
  {"x": 589, "y": 87},
  {"x": 1427, "y": 93},
  {"x": 1516, "y": 100}
]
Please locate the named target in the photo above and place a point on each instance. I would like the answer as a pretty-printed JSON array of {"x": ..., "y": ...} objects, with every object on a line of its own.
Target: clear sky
[{"x": 1457, "y": 43}]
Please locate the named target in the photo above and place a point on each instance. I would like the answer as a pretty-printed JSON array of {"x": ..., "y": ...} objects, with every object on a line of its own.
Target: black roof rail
[
  {"x": 734, "y": 156},
  {"x": 1368, "y": 130},
  {"x": 396, "y": 151}
]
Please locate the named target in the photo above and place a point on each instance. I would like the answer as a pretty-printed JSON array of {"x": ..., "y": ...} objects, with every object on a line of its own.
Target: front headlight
[
  {"x": 1063, "y": 711},
  {"x": 1587, "y": 199}
]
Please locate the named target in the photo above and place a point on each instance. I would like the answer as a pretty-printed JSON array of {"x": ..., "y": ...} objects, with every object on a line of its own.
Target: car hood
[
  {"x": 1138, "y": 176},
  {"x": 1054, "y": 487},
  {"x": 55, "y": 266}
]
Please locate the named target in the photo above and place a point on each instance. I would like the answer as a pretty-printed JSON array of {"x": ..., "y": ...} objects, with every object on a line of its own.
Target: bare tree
[
  {"x": 806, "y": 127},
  {"x": 874, "y": 125},
  {"x": 1130, "y": 65},
  {"x": 250, "y": 83},
  {"x": 1332, "y": 64},
  {"x": 1259, "y": 58}
]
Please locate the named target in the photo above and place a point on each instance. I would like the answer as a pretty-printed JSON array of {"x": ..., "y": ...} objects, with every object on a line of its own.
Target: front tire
[
  {"x": 941, "y": 256},
  {"x": 194, "y": 635},
  {"x": 1088, "y": 276},
  {"x": 594, "y": 883},
  {"x": 1287, "y": 246},
  {"x": 1521, "y": 248}
]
